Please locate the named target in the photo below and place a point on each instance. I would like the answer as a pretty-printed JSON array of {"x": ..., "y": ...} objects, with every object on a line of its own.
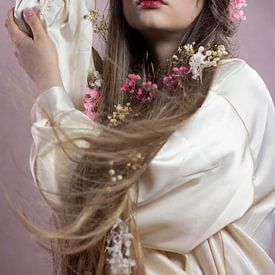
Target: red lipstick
[{"x": 150, "y": 3}]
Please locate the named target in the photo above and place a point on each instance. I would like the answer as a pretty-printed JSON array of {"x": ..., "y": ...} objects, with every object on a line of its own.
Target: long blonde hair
[{"x": 94, "y": 201}]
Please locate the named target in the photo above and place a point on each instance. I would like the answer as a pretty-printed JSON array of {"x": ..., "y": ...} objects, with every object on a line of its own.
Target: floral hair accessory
[
  {"x": 186, "y": 61},
  {"x": 118, "y": 248},
  {"x": 235, "y": 10},
  {"x": 99, "y": 23},
  {"x": 95, "y": 80},
  {"x": 173, "y": 82},
  {"x": 120, "y": 114},
  {"x": 135, "y": 162},
  {"x": 196, "y": 61},
  {"x": 138, "y": 89},
  {"x": 199, "y": 61},
  {"x": 92, "y": 95},
  {"x": 90, "y": 103}
]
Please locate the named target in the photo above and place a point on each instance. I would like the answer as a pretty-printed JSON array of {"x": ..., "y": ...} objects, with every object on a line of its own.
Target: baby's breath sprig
[
  {"x": 135, "y": 162},
  {"x": 113, "y": 174},
  {"x": 218, "y": 53},
  {"x": 99, "y": 23},
  {"x": 182, "y": 56},
  {"x": 120, "y": 114},
  {"x": 197, "y": 60}
]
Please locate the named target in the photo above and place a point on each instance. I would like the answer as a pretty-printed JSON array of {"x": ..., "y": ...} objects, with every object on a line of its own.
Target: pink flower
[
  {"x": 183, "y": 70},
  {"x": 137, "y": 88},
  {"x": 139, "y": 92},
  {"x": 91, "y": 92},
  {"x": 235, "y": 12},
  {"x": 174, "y": 80},
  {"x": 90, "y": 102}
]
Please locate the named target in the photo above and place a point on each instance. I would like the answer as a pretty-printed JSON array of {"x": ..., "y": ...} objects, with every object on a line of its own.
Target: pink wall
[{"x": 18, "y": 253}]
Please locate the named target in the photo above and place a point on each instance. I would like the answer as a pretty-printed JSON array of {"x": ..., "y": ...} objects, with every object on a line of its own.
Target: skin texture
[
  {"x": 162, "y": 28},
  {"x": 36, "y": 55}
]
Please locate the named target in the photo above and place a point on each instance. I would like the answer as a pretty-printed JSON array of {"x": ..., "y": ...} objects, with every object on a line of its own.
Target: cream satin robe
[{"x": 206, "y": 203}]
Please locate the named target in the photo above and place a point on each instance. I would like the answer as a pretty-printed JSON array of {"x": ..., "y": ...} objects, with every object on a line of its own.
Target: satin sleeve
[
  {"x": 72, "y": 36},
  {"x": 203, "y": 178},
  {"x": 51, "y": 166}
]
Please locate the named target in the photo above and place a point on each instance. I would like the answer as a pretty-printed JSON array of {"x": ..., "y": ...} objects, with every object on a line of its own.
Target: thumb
[{"x": 34, "y": 23}]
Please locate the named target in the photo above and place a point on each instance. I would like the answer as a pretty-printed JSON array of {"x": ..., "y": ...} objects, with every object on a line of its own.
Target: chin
[{"x": 151, "y": 22}]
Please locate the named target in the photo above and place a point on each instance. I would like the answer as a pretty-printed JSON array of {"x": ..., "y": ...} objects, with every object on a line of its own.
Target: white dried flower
[
  {"x": 118, "y": 247},
  {"x": 199, "y": 61}
]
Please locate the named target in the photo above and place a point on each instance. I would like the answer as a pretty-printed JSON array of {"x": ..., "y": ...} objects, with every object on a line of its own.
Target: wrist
[{"x": 47, "y": 82}]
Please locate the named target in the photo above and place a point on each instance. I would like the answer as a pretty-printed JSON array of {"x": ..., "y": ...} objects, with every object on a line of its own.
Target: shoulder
[
  {"x": 235, "y": 79},
  {"x": 245, "y": 91}
]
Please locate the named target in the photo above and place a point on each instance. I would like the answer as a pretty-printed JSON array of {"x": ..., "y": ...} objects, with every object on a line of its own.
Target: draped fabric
[
  {"x": 206, "y": 202},
  {"x": 72, "y": 36}
]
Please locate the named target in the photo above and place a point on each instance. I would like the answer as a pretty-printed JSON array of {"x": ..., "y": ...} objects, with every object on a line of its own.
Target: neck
[{"x": 162, "y": 47}]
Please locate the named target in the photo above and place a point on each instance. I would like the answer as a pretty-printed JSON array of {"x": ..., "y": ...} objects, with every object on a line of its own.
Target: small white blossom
[
  {"x": 96, "y": 80},
  {"x": 199, "y": 61},
  {"x": 119, "y": 240}
]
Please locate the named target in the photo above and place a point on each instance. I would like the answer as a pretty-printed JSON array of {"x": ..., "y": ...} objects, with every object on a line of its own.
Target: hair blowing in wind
[{"x": 94, "y": 201}]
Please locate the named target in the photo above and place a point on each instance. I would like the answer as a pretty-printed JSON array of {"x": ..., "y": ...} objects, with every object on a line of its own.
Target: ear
[{"x": 98, "y": 62}]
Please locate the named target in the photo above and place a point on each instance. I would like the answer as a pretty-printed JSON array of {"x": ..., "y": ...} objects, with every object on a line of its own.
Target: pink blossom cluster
[
  {"x": 90, "y": 102},
  {"x": 174, "y": 80},
  {"x": 235, "y": 10},
  {"x": 138, "y": 88}
]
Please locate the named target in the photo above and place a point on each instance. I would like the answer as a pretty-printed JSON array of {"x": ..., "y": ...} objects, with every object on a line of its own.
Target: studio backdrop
[{"x": 18, "y": 253}]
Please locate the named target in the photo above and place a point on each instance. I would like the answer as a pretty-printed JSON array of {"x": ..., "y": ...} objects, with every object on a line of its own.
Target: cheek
[
  {"x": 130, "y": 13},
  {"x": 183, "y": 13}
]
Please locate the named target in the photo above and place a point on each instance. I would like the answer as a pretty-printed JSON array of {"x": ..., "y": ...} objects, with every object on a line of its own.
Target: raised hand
[{"x": 36, "y": 54}]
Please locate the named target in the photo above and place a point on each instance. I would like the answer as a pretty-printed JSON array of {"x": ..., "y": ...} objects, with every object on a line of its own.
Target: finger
[
  {"x": 16, "y": 35},
  {"x": 32, "y": 19}
]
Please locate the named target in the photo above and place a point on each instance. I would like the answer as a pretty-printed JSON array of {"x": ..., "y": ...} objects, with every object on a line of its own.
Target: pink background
[{"x": 18, "y": 253}]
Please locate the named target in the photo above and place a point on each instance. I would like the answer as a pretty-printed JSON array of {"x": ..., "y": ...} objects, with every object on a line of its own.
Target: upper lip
[{"x": 162, "y": 1}]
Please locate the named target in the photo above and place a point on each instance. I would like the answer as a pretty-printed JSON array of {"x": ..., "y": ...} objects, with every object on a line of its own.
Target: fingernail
[{"x": 28, "y": 12}]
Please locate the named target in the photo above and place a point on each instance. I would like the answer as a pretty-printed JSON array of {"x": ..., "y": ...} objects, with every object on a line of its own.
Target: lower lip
[{"x": 150, "y": 4}]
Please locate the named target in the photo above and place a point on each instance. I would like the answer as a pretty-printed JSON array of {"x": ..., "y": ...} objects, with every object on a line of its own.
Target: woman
[{"x": 185, "y": 164}]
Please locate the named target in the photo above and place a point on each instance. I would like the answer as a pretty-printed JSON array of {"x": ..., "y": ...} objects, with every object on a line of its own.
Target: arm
[
  {"x": 51, "y": 167},
  {"x": 206, "y": 176},
  {"x": 72, "y": 36},
  {"x": 201, "y": 180}
]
